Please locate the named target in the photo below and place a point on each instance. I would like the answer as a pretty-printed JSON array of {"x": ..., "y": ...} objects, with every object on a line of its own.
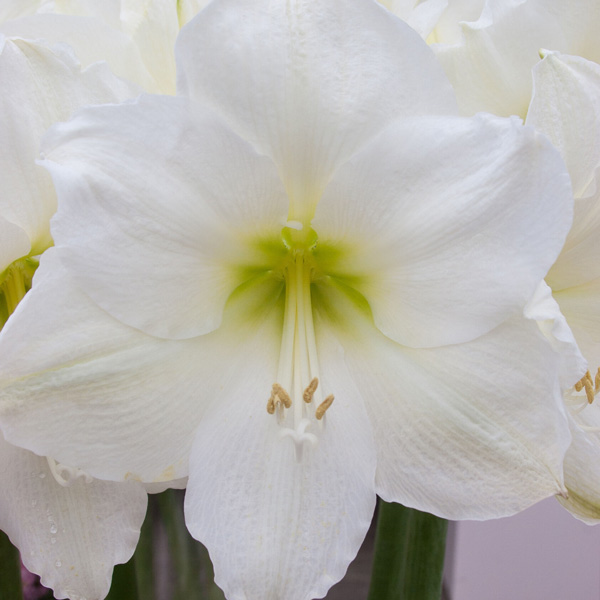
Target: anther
[
  {"x": 322, "y": 408},
  {"x": 278, "y": 396},
  {"x": 282, "y": 395},
  {"x": 310, "y": 390},
  {"x": 591, "y": 387}
]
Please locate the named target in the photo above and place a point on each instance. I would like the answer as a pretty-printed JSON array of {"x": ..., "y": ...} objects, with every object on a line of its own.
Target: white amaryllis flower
[
  {"x": 301, "y": 282},
  {"x": 500, "y": 62},
  {"x": 135, "y": 37},
  {"x": 566, "y": 107}
]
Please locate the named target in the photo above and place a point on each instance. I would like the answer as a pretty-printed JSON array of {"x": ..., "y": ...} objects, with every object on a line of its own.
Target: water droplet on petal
[
  {"x": 58, "y": 563},
  {"x": 53, "y": 529},
  {"x": 42, "y": 475},
  {"x": 53, "y": 540}
]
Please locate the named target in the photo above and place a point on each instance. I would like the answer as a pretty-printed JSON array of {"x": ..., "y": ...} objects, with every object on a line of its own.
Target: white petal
[
  {"x": 275, "y": 527},
  {"x": 46, "y": 84},
  {"x": 580, "y": 307},
  {"x": 95, "y": 394},
  {"x": 157, "y": 488},
  {"x": 474, "y": 430},
  {"x": 188, "y": 9},
  {"x": 13, "y": 9},
  {"x": 544, "y": 309},
  {"x": 153, "y": 25},
  {"x": 71, "y": 536},
  {"x": 579, "y": 261},
  {"x": 446, "y": 225},
  {"x": 566, "y": 107},
  {"x": 490, "y": 66},
  {"x": 93, "y": 41},
  {"x": 308, "y": 82},
  {"x": 14, "y": 243},
  {"x": 582, "y": 467},
  {"x": 161, "y": 208},
  {"x": 422, "y": 16},
  {"x": 448, "y": 29}
]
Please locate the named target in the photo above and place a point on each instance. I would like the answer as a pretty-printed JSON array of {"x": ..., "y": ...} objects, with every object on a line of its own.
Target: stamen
[
  {"x": 66, "y": 476},
  {"x": 322, "y": 408},
  {"x": 309, "y": 392}
]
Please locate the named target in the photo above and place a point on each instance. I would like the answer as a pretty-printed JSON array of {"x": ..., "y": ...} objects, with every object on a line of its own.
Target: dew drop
[
  {"x": 42, "y": 475},
  {"x": 58, "y": 563},
  {"x": 53, "y": 540},
  {"x": 31, "y": 553},
  {"x": 53, "y": 529}
]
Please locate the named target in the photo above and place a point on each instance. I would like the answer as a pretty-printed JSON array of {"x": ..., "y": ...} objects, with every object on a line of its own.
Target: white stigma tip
[
  {"x": 294, "y": 225},
  {"x": 66, "y": 476}
]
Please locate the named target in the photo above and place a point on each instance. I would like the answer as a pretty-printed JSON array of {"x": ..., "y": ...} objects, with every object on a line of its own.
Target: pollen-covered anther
[
  {"x": 591, "y": 386},
  {"x": 310, "y": 390},
  {"x": 278, "y": 396},
  {"x": 322, "y": 408}
]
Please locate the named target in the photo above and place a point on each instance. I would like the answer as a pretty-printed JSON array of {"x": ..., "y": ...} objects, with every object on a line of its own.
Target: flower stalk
[
  {"x": 10, "y": 572},
  {"x": 409, "y": 554}
]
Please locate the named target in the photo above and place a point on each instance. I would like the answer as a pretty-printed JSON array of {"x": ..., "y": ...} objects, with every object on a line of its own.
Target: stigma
[{"x": 67, "y": 476}]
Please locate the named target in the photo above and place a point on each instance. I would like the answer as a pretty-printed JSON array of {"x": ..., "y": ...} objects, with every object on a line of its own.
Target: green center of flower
[
  {"x": 296, "y": 399},
  {"x": 15, "y": 282}
]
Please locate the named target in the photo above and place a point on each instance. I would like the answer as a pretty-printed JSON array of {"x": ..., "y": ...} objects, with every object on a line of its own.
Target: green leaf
[
  {"x": 409, "y": 554},
  {"x": 10, "y": 570}
]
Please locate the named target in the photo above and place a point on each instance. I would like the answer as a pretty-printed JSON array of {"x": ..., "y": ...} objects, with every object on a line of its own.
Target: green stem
[
  {"x": 144, "y": 557},
  {"x": 409, "y": 554},
  {"x": 193, "y": 569},
  {"x": 10, "y": 570},
  {"x": 124, "y": 584}
]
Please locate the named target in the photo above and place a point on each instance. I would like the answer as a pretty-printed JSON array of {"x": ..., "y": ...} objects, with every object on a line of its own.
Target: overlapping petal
[
  {"x": 447, "y": 233},
  {"x": 474, "y": 430},
  {"x": 543, "y": 308},
  {"x": 71, "y": 536},
  {"x": 134, "y": 401},
  {"x": 422, "y": 16},
  {"x": 15, "y": 243},
  {"x": 278, "y": 527},
  {"x": 308, "y": 82},
  {"x": 93, "y": 41},
  {"x": 565, "y": 106},
  {"x": 175, "y": 203},
  {"x": 582, "y": 472},
  {"x": 490, "y": 66},
  {"x": 46, "y": 84}
]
